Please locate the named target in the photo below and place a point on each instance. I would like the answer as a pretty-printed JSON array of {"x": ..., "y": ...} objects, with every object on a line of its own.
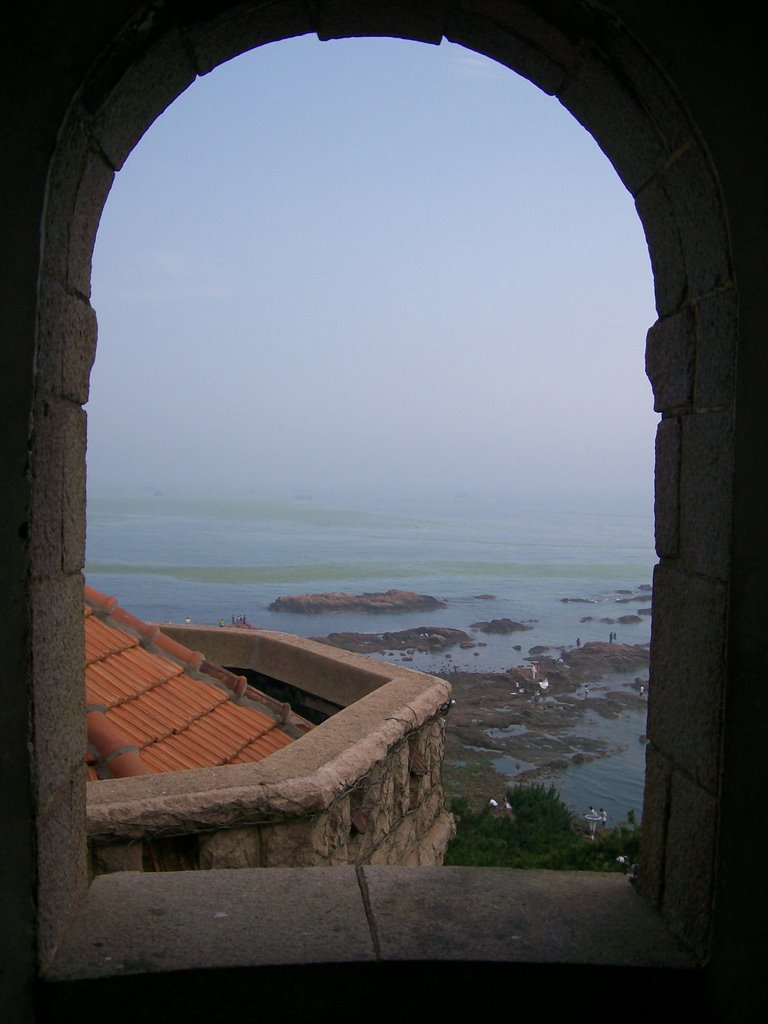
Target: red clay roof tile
[{"x": 156, "y": 706}]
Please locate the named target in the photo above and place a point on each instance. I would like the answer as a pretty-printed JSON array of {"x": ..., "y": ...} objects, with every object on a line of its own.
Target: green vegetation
[{"x": 538, "y": 832}]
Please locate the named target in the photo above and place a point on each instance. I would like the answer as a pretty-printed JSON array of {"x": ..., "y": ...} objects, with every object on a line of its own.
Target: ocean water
[{"x": 166, "y": 559}]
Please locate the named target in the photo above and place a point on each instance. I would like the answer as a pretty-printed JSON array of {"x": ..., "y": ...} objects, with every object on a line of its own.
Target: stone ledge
[{"x": 143, "y": 924}]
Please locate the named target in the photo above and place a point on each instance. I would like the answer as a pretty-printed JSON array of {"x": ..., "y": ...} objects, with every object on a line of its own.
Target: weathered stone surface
[
  {"x": 61, "y": 862},
  {"x": 148, "y": 86},
  {"x": 229, "y": 848},
  {"x": 653, "y": 840},
  {"x": 236, "y": 31},
  {"x": 689, "y": 864},
  {"x": 667, "y": 489},
  {"x": 67, "y": 343},
  {"x": 664, "y": 246},
  {"x": 57, "y": 533},
  {"x": 116, "y": 857},
  {"x": 716, "y": 348},
  {"x": 669, "y": 361},
  {"x": 60, "y": 735},
  {"x": 615, "y": 116},
  {"x": 545, "y": 67},
  {"x": 339, "y": 19},
  {"x": 687, "y": 656},
  {"x": 706, "y": 472},
  {"x": 694, "y": 194}
]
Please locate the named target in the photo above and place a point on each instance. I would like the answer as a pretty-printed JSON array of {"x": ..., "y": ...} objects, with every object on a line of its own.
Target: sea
[{"x": 168, "y": 559}]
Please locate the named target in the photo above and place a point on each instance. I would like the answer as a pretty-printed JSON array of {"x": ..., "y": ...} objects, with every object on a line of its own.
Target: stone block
[
  {"x": 241, "y": 29},
  {"x": 67, "y": 170},
  {"x": 90, "y": 196},
  {"x": 80, "y": 183},
  {"x": 342, "y": 19},
  {"x": 652, "y": 89},
  {"x": 429, "y": 810},
  {"x": 288, "y": 844},
  {"x": 58, "y": 659},
  {"x": 611, "y": 112},
  {"x": 400, "y": 778},
  {"x": 61, "y": 861},
  {"x": 716, "y": 349},
  {"x": 66, "y": 342},
  {"x": 337, "y": 824},
  {"x": 665, "y": 248},
  {"x": 116, "y": 857},
  {"x": 229, "y": 848},
  {"x": 706, "y": 493},
  {"x": 431, "y": 847},
  {"x": 698, "y": 213},
  {"x": 687, "y": 671},
  {"x": 653, "y": 842},
  {"x": 666, "y": 504},
  {"x": 397, "y": 846},
  {"x": 149, "y": 85},
  {"x": 688, "y": 877},
  {"x": 669, "y": 360},
  {"x": 57, "y": 525},
  {"x": 378, "y": 806},
  {"x": 512, "y": 50}
]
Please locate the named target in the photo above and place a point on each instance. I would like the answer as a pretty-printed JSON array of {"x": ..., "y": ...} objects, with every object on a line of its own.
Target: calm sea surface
[{"x": 166, "y": 559}]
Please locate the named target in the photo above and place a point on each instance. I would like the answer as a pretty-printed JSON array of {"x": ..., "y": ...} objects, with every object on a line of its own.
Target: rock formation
[
  {"x": 422, "y": 638},
  {"x": 390, "y": 601},
  {"x": 500, "y": 626}
]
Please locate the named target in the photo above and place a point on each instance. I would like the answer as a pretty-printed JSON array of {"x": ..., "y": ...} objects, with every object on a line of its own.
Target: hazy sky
[{"x": 370, "y": 266}]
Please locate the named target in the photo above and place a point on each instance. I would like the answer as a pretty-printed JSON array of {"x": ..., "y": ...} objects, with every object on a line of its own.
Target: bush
[{"x": 538, "y": 832}]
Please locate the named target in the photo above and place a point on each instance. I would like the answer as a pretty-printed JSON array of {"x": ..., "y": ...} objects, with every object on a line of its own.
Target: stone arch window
[{"x": 613, "y": 88}]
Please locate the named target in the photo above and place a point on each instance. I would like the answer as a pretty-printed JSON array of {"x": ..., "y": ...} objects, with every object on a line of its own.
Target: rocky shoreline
[
  {"x": 542, "y": 714},
  {"x": 537, "y": 715}
]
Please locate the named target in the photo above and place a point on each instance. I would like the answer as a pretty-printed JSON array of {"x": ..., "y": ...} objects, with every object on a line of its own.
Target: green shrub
[{"x": 538, "y": 832}]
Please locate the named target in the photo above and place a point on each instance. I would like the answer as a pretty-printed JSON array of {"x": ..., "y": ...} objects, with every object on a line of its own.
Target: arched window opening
[
  {"x": 618, "y": 93},
  {"x": 372, "y": 316}
]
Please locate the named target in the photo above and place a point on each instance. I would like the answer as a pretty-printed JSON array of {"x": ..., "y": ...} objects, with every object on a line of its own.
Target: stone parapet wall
[{"x": 365, "y": 787}]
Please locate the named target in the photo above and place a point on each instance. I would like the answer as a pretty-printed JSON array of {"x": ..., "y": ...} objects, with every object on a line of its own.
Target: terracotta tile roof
[{"x": 153, "y": 705}]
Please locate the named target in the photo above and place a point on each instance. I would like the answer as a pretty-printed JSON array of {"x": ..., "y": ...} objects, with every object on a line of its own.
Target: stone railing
[{"x": 364, "y": 787}]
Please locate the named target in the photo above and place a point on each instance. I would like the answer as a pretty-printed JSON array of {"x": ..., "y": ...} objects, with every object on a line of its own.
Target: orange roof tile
[{"x": 153, "y": 705}]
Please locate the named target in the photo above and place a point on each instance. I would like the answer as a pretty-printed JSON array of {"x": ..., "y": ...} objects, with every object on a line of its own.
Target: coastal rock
[
  {"x": 500, "y": 626},
  {"x": 629, "y": 619},
  {"x": 426, "y": 639},
  {"x": 583, "y": 664},
  {"x": 328, "y": 603}
]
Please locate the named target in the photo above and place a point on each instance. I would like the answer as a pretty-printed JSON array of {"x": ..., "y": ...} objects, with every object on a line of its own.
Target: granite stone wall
[{"x": 364, "y": 787}]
